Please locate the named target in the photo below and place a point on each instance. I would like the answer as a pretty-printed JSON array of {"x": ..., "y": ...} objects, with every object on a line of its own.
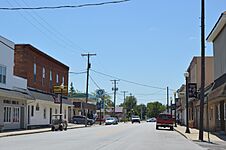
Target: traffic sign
[
  {"x": 59, "y": 90},
  {"x": 100, "y": 93}
]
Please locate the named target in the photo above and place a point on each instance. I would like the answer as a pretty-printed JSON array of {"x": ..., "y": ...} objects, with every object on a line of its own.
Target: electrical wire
[
  {"x": 78, "y": 72},
  {"x": 94, "y": 82},
  {"x": 131, "y": 82},
  {"x": 63, "y": 6}
]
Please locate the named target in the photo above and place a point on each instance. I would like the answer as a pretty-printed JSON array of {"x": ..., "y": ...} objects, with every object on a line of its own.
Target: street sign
[
  {"x": 173, "y": 106},
  {"x": 58, "y": 90},
  {"x": 192, "y": 90},
  {"x": 100, "y": 93}
]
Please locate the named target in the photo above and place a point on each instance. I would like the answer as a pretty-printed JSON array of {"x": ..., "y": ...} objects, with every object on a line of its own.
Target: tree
[
  {"x": 141, "y": 111},
  {"x": 71, "y": 90},
  {"x": 154, "y": 108},
  {"x": 130, "y": 105}
]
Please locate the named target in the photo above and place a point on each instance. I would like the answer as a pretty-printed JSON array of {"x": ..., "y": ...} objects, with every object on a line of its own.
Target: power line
[
  {"x": 128, "y": 80},
  {"x": 63, "y": 6},
  {"x": 78, "y": 72},
  {"x": 94, "y": 82}
]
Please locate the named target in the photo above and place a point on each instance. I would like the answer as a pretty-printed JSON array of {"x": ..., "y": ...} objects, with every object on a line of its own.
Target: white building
[{"x": 13, "y": 93}]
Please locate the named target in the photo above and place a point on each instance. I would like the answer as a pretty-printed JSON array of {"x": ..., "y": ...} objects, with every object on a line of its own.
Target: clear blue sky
[{"x": 144, "y": 41}]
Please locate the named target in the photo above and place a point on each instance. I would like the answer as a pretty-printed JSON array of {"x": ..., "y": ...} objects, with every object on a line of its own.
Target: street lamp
[
  {"x": 175, "y": 113},
  {"x": 186, "y": 75},
  {"x": 61, "y": 89}
]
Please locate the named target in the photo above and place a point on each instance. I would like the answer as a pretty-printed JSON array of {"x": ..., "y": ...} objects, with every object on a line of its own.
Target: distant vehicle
[
  {"x": 57, "y": 123},
  {"x": 81, "y": 120},
  {"x": 151, "y": 120},
  {"x": 111, "y": 120},
  {"x": 164, "y": 120},
  {"x": 135, "y": 119}
]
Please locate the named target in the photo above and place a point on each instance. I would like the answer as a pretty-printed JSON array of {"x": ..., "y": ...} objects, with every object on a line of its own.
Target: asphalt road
[{"x": 113, "y": 137}]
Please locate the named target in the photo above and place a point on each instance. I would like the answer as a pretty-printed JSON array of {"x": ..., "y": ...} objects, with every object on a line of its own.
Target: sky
[{"x": 150, "y": 43}]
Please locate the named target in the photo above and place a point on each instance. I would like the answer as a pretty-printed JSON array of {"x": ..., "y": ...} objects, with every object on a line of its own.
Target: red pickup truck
[{"x": 164, "y": 120}]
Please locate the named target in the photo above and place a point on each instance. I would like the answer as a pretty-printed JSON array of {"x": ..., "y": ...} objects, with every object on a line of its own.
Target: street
[{"x": 124, "y": 136}]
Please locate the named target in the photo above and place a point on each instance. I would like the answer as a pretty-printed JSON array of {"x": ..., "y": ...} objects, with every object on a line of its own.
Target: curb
[
  {"x": 34, "y": 132},
  {"x": 181, "y": 133}
]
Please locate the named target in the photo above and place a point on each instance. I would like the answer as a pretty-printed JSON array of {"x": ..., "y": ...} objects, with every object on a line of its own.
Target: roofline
[
  {"x": 42, "y": 53},
  {"x": 220, "y": 24}
]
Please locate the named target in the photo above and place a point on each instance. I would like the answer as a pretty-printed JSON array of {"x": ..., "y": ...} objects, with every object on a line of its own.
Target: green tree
[
  {"x": 71, "y": 90},
  {"x": 154, "y": 108},
  {"x": 130, "y": 106},
  {"x": 141, "y": 111}
]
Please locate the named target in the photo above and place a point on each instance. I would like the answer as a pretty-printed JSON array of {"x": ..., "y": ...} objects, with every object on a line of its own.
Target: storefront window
[{"x": 7, "y": 114}]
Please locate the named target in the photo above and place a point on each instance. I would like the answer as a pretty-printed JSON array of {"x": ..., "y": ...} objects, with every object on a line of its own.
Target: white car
[
  {"x": 111, "y": 120},
  {"x": 135, "y": 119}
]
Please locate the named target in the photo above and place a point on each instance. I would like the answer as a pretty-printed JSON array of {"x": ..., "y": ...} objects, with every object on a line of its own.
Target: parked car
[
  {"x": 81, "y": 120},
  {"x": 135, "y": 119},
  {"x": 151, "y": 119},
  {"x": 111, "y": 120},
  {"x": 57, "y": 123},
  {"x": 164, "y": 120}
]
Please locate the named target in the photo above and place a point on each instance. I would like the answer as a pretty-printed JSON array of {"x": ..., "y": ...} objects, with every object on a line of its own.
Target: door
[
  {"x": 28, "y": 115},
  {"x": 50, "y": 115},
  {"x": 222, "y": 115},
  {"x": 22, "y": 120}
]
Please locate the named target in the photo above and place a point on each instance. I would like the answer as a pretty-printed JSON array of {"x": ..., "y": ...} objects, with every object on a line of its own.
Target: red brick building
[{"x": 41, "y": 70}]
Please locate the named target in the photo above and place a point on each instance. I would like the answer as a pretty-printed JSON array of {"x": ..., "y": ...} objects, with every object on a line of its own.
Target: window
[
  {"x": 43, "y": 75},
  {"x": 37, "y": 107},
  {"x": 218, "y": 112},
  {"x": 224, "y": 111},
  {"x": 7, "y": 114},
  {"x": 16, "y": 114},
  {"x": 32, "y": 111},
  {"x": 2, "y": 74},
  {"x": 65, "y": 114},
  {"x": 34, "y": 72},
  {"x": 44, "y": 113},
  {"x": 63, "y": 80},
  {"x": 57, "y": 79},
  {"x": 55, "y": 111},
  {"x": 50, "y": 79}
]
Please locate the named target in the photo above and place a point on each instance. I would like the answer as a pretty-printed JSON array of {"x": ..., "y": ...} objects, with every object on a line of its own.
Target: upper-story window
[
  {"x": 34, "y": 72},
  {"x": 43, "y": 75},
  {"x": 3, "y": 74},
  {"x": 50, "y": 79},
  {"x": 63, "y": 80},
  {"x": 57, "y": 79}
]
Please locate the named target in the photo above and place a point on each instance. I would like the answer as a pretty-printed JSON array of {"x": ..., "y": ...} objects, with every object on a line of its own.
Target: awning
[
  {"x": 219, "y": 92},
  {"x": 16, "y": 94}
]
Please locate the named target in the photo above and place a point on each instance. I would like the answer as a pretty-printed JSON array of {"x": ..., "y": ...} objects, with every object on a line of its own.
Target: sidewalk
[
  {"x": 32, "y": 131},
  {"x": 194, "y": 135}
]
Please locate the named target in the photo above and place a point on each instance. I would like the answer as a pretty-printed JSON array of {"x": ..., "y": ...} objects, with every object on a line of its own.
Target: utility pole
[
  {"x": 124, "y": 112},
  {"x": 171, "y": 103},
  {"x": 167, "y": 94},
  {"x": 114, "y": 89},
  {"x": 202, "y": 89},
  {"x": 87, "y": 83}
]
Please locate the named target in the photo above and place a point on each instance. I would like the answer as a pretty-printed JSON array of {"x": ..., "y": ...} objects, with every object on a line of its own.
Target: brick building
[{"x": 41, "y": 71}]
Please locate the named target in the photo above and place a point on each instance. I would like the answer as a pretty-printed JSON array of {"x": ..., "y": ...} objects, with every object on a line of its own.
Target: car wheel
[
  {"x": 171, "y": 128},
  {"x": 157, "y": 127},
  {"x": 53, "y": 129},
  {"x": 61, "y": 128}
]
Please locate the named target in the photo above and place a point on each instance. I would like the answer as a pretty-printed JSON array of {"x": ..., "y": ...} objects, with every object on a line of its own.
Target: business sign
[
  {"x": 192, "y": 90},
  {"x": 59, "y": 90}
]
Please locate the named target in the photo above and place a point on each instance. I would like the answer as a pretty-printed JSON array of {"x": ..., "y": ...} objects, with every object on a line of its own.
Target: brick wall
[{"x": 26, "y": 56}]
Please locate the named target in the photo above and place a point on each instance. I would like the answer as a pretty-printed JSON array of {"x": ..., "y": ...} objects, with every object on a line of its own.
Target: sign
[
  {"x": 100, "y": 93},
  {"x": 173, "y": 106},
  {"x": 58, "y": 90},
  {"x": 192, "y": 90}
]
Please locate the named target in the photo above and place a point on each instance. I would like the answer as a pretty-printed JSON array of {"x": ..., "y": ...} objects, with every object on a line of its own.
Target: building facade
[
  {"x": 217, "y": 96},
  {"x": 42, "y": 73},
  {"x": 13, "y": 90}
]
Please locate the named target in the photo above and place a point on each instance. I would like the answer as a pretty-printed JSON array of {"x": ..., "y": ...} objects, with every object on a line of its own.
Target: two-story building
[
  {"x": 42, "y": 72},
  {"x": 217, "y": 97},
  {"x": 13, "y": 90}
]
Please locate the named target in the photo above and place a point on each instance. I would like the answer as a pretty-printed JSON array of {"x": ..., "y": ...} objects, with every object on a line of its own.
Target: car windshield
[{"x": 164, "y": 116}]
